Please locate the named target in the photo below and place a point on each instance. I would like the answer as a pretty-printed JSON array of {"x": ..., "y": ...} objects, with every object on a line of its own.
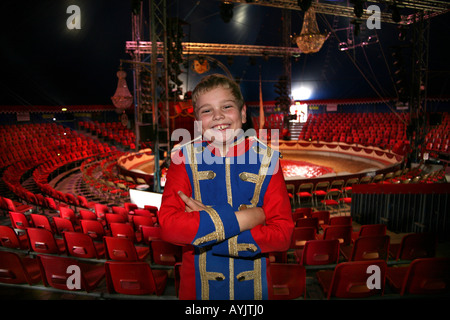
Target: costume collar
[{"x": 240, "y": 145}]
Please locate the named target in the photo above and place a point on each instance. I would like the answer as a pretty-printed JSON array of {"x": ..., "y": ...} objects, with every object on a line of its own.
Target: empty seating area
[
  {"x": 117, "y": 249},
  {"x": 438, "y": 137},
  {"x": 111, "y": 132},
  {"x": 40, "y": 151},
  {"x": 383, "y": 130},
  {"x": 44, "y": 230},
  {"x": 339, "y": 259},
  {"x": 335, "y": 193},
  {"x": 122, "y": 256}
]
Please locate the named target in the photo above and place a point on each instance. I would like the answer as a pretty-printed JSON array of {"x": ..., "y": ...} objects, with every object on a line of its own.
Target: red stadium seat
[
  {"x": 42, "y": 221},
  {"x": 15, "y": 269},
  {"x": 54, "y": 271},
  {"x": 10, "y": 239},
  {"x": 43, "y": 241},
  {"x": 369, "y": 230},
  {"x": 367, "y": 248},
  {"x": 83, "y": 246},
  {"x": 351, "y": 279},
  {"x": 414, "y": 246},
  {"x": 134, "y": 278},
  {"x": 123, "y": 249},
  {"x": 319, "y": 252},
  {"x": 342, "y": 233},
  {"x": 424, "y": 276},
  {"x": 94, "y": 229},
  {"x": 19, "y": 220},
  {"x": 288, "y": 281},
  {"x": 165, "y": 253}
]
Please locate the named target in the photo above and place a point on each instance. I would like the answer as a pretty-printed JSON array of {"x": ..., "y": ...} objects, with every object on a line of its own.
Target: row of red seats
[
  {"x": 113, "y": 237},
  {"x": 371, "y": 129},
  {"x": 345, "y": 256},
  {"x": 274, "y": 121},
  {"x": 30, "y": 144},
  {"x": 438, "y": 138},
  {"x": 338, "y": 191},
  {"x": 103, "y": 181},
  {"x": 112, "y": 131},
  {"x": 47, "y": 162},
  {"x": 288, "y": 279}
]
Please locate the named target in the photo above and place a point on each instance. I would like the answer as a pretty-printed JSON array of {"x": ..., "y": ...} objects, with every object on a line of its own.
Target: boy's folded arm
[
  {"x": 183, "y": 225},
  {"x": 275, "y": 234},
  {"x": 177, "y": 225},
  {"x": 270, "y": 236}
]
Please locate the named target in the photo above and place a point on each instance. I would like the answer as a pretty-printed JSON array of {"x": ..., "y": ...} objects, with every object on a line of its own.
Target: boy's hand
[
  {"x": 191, "y": 204},
  {"x": 247, "y": 219},
  {"x": 250, "y": 218}
]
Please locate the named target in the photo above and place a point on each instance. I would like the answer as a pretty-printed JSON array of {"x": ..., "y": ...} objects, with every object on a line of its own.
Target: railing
[{"x": 404, "y": 207}]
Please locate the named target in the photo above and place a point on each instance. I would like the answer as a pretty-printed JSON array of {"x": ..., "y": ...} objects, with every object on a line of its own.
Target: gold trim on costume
[
  {"x": 231, "y": 242},
  {"x": 228, "y": 181},
  {"x": 194, "y": 169},
  {"x": 206, "y": 276},
  {"x": 248, "y": 176},
  {"x": 262, "y": 175},
  {"x": 254, "y": 275},
  {"x": 218, "y": 234},
  {"x": 247, "y": 247},
  {"x": 206, "y": 175}
]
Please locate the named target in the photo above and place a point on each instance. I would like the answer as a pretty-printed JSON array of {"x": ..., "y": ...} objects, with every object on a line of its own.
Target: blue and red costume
[{"x": 220, "y": 262}]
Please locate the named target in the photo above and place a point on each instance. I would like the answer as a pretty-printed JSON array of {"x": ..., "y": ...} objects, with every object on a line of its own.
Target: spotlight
[
  {"x": 372, "y": 39},
  {"x": 358, "y": 7},
  {"x": 226, "y": 11},
  {"x": 343, "y": 46},
  {"x": 396, "y": 17},
  {"x": 304, "y": 4}
]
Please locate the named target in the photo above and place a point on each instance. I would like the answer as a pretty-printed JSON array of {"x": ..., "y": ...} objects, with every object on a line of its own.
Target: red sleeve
[
  {"x": 276, "y": 234},
  {"x": 177, "y": 225}
]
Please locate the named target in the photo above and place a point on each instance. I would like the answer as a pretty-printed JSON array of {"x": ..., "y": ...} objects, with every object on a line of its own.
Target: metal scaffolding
[
  {"x": 151, "y": 80},
  {"x": 431, "y": 8},
  {"x": 151, "y": 55}
]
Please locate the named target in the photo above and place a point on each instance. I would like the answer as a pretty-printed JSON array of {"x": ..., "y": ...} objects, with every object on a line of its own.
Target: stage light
[
  {"x": 301, "y": 93},
  {"x": 226, "y": 11},
  {"x": 372, "y": 39},
  {"x": 358, "y": 7},
  {"x": 343, "y": 46},
  {"x": 304, "y": 4}
]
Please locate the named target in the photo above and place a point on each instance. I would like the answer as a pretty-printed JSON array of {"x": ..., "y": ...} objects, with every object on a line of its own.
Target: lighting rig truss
[
  {"x": 429, "y": 8},
  {"x": 425, "y": 8},
  {"x": 195, "y": 48}
]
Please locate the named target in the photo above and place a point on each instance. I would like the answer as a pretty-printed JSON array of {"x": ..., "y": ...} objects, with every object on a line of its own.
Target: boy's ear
[{"x": 244, "y": 113}]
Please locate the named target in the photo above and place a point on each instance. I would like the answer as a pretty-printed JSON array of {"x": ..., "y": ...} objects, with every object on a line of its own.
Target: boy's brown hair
[{"x": 217, "y": 80}]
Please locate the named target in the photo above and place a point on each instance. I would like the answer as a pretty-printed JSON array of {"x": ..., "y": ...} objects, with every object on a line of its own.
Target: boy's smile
[{"x": 220, "y": 116}]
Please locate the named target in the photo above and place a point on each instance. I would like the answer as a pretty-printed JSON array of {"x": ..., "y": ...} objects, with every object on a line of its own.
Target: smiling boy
[{"x": 227, "y": 214}]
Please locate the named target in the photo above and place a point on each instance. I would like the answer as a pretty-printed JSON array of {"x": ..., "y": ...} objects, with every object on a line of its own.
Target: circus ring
[
  {"x": 138, "y": 165},
  {"x": 301, "y": 161},
  {"x": 319, "y": 161}
]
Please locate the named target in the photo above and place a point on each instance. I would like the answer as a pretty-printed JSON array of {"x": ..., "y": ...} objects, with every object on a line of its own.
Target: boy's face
[{"x": 219, "y": 115}]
